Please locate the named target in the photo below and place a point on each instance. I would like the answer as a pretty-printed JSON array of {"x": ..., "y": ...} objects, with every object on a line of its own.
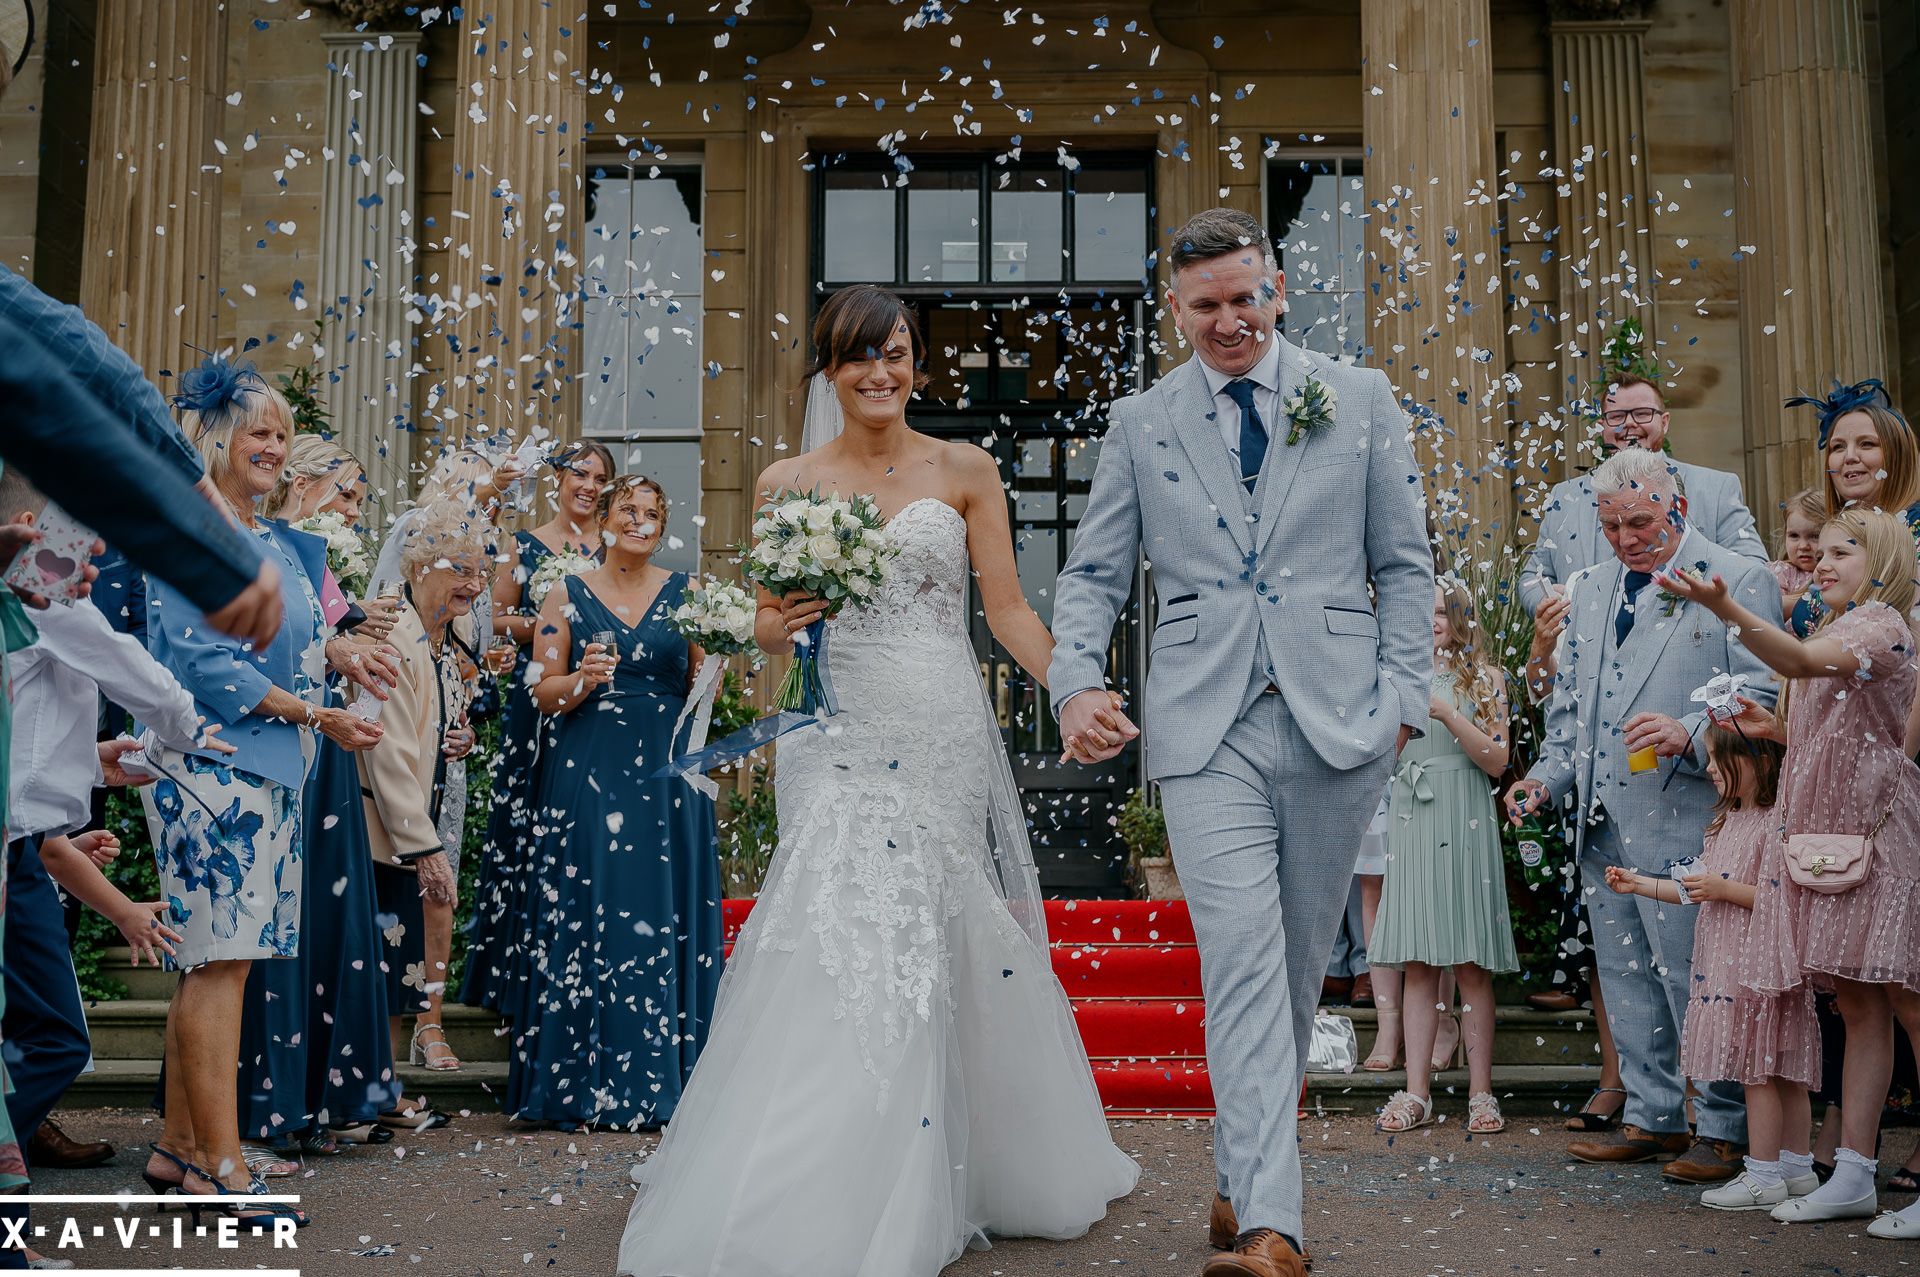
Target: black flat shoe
[{"x": 1595, "y": 1123}]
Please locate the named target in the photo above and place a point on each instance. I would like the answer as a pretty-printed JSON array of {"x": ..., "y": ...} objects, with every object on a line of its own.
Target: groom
[{"x": 1267, "y": 487}]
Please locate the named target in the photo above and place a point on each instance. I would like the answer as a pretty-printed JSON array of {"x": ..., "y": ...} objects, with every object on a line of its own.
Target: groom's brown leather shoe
[
  {"x": 1260, "y": 1253},
  {"x": 1222, "y": 1227}
]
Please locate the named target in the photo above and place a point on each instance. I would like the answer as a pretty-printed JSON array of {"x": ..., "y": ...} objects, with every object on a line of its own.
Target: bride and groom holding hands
[{"x": 893, "y": 1072}]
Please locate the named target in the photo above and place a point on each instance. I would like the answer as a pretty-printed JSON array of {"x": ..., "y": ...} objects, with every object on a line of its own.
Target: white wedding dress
[{"x": 893, "y": 1072}]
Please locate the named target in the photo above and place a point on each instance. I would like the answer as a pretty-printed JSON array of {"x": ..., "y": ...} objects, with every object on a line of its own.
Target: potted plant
[{"x": 1143, "y": 828}]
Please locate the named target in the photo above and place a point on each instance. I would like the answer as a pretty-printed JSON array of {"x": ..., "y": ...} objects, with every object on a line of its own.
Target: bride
[{"x": 893, "y": 1071}]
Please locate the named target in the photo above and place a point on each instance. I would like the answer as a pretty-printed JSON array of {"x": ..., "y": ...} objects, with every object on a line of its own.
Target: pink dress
[
  {"x": 1845, "y": 769},
  {"x": 1733, "y": 1033},
  {"x": 1793, "y": 581}
]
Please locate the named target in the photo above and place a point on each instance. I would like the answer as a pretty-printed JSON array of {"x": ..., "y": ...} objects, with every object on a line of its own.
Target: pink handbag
[{"x": 1832, "y": 863}]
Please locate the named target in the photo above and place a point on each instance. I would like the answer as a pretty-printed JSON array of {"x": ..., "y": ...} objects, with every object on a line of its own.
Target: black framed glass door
[{"x": 1031, "y": 289}]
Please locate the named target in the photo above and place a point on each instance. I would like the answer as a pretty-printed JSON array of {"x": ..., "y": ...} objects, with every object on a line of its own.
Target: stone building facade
[{"x": 616, "y": 219}]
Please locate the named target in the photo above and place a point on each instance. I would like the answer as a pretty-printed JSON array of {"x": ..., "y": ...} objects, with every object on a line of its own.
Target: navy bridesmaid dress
[
  {"x": 314, "y": 1047},
  {"x": 497, "y": 931},
  {"x": 350, "y": 1074},
  {"x": 626, "y": 951}
]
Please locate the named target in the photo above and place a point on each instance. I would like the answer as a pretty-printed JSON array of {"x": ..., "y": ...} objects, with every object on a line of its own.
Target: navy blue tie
[
  {"x": 1623, "y": 620},
  {"x": 1253, "y": 431}
]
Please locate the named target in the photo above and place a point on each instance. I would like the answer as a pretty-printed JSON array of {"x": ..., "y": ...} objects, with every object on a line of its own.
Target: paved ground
[{"x": 484, "y": 1198}]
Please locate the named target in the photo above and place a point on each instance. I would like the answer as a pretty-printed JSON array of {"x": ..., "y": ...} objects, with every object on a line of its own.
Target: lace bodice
[{"x": 925, "y": 587}]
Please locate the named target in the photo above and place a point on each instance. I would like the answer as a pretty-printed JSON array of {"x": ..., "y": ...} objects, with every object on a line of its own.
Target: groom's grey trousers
[{"x": 1266, "y": 866}]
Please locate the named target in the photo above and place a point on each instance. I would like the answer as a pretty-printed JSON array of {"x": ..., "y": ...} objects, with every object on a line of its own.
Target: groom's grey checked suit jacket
[
  {"x": 1644, "y": 949},
  {"x": 1277, "y": 592},
  {"x": 1265, "y": 796}
]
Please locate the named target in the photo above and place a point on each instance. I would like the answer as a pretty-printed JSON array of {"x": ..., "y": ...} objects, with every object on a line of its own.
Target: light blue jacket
[{"x": 227, "y": 677}]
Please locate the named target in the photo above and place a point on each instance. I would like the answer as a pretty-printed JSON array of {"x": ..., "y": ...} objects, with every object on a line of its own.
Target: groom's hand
[
  {"x": 1525, "y": 796},
  {"x": 1666, "y": 736},
  {"x": 1094, "y": 727}
]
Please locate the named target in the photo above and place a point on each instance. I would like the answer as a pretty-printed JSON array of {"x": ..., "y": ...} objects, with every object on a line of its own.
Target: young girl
[
  {"x": 1444, "y": 902},
  {"x": 1769, "y": 1043},
  {"x": 1800, "y": 551},
  {"x": 1853, "y": 681}
]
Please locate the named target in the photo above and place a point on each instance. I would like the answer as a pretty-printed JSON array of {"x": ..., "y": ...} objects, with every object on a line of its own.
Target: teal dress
[
  {"x": 1444, "y": 900},
  {"x": 625, "y": 945}
]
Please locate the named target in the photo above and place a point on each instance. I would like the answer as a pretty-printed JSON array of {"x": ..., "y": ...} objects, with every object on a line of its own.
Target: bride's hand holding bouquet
[{"x": 817, "y": 554}]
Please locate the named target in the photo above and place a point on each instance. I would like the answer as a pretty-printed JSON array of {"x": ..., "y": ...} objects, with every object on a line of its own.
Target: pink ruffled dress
[
  {"x": 1733, "y": 1033},
  {"x": 1845, "y": 769}
]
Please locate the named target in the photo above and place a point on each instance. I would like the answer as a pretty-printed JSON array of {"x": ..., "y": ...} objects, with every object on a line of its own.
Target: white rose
[
  {"x": 819, "y": 518},
  {"x": 824, "y": 546},
  {"x": 860, "y": 586},
  {"x": 862, "y": 557},
  {"x": 793, "y": 513}
]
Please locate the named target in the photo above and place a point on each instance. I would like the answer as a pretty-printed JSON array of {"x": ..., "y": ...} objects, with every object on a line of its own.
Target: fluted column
[
  {"x": 1811, "y": 302},
  {"x": 1600, "y": 136},
  {"x": 366, "y": 250},
  {"x": 151, "y": 275},
  {"x": 1435, "y": 295},
  {"x": 510, "y": 309}
]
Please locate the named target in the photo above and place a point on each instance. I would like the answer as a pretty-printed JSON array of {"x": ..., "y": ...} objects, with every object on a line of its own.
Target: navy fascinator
[
  {"x": 215, "y": 385},
  {"x": 1844, "y": 400}
]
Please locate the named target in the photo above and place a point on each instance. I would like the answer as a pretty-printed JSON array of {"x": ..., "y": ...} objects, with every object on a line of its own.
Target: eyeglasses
[{"x": 1638, "y": 416}]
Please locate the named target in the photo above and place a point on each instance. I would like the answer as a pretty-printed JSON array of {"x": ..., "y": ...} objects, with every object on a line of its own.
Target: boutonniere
[
  {"x": 1669, "y": 601},
  {"x": 1310, "y": 409}
]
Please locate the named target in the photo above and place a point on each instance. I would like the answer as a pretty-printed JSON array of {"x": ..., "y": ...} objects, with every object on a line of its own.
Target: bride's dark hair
[{"x": 857, "y": 323}]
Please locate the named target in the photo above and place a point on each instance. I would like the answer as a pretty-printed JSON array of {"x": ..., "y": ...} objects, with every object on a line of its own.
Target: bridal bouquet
[
  {"x": 347, "y": 556},
  {"x": 833, "y": 548},
  {"x": 717, "y": 616},
  {"x": 555, "y": 570}
]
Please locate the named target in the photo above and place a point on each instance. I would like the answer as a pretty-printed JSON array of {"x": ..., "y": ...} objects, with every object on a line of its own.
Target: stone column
[
  {"x": 510, "y": 308},
  {"x": 366, "y": 251},
  {"x": 1435, "y": 297},
  {"x": 1811, "y": 301},
  {"x": 1600, "y": 136},
  {"x": 151, "y": 275}
]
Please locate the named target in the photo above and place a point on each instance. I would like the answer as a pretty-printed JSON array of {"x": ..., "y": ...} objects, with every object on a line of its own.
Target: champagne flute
[{"x": 606, "y": 639}]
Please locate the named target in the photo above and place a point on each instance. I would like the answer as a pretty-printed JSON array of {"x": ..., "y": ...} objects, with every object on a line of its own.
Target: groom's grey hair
[
  {"x": 1638, "y": 468},
  {"x": 1217, "y": 232}
]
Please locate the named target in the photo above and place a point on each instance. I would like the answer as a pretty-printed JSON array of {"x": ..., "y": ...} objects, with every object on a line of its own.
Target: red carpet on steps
[{"x": 1133, "y": 974}]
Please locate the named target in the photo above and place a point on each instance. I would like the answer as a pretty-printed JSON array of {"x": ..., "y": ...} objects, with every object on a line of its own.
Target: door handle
[{"x": 1001, "y": 693}]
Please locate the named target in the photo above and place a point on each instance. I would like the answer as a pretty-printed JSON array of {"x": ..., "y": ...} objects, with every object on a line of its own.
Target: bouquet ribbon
[
  {"x": 815, "y": 689},
  {"x": 699, "y": 707}
]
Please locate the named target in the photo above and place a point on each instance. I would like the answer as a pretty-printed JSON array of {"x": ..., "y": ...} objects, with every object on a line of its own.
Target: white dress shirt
[
  {"x": 1265, "y": 375},
  {"x": 56, "y": 685}
]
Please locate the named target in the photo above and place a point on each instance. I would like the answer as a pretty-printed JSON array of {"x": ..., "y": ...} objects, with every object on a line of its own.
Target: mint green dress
[{"x": 1444, "y": 900}]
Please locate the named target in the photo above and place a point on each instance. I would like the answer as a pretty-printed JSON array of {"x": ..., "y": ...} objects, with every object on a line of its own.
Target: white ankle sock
[
  {"x": 1792, "y": 1164},
  {"x": 1765, "y": 1174},
  {"x": 1852, "y": 1180}
]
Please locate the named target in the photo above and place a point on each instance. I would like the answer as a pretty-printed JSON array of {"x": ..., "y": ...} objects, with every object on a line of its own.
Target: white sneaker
[
  {"x": 1801, "y": 1185},
  {"x": 1804, "y": 1210},
  {"x": 1744, "y": 1192}
]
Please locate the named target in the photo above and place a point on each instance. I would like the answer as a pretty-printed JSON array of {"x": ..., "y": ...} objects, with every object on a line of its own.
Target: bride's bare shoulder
[{"x": 781, "y": 474}]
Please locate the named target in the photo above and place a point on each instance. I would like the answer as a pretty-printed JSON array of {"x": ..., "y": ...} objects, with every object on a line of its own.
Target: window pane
[
  {"x": 609, "y": 236},
  {"x": 1312, "y": 320},
  {"x": 675, "y": 464},
  {"x": 859, "y": 226},
  {"x": 943, "y": 227},
  {"x": 1026, "y": 226},
  {"x": 1110, "y": 224},
  {"x": 1312, "y": 230},
  {"x": 643, "y": 309}
]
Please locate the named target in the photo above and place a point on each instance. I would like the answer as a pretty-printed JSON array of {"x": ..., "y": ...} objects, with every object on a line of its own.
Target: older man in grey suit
[
  {"x": 1267, "y": 487},
  {"x": 1629, "y": 662},
  {"x": 1635, "y": 416}
]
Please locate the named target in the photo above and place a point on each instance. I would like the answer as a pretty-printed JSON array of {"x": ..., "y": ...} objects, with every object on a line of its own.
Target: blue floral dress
[{"x": 228, "y": 841}]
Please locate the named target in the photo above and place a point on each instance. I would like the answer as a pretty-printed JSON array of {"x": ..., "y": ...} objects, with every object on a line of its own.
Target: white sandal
[
  {"x": 1404, "y": 1112},
  {"x": 1483, "y": 1114}
]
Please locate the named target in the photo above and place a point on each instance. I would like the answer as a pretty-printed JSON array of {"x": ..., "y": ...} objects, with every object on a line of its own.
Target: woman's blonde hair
[
  {"x": 310, "y": 457},
  {"x": 1899, "y": 457},
  {"x": 1478, "y": 677},
  {"x": 212, "y": 432}
]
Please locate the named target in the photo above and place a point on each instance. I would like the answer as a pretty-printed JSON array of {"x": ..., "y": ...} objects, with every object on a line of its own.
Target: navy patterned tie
[
  {"x": 1623, "y": 619},
  {"x": 1253, "y": 431}
]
